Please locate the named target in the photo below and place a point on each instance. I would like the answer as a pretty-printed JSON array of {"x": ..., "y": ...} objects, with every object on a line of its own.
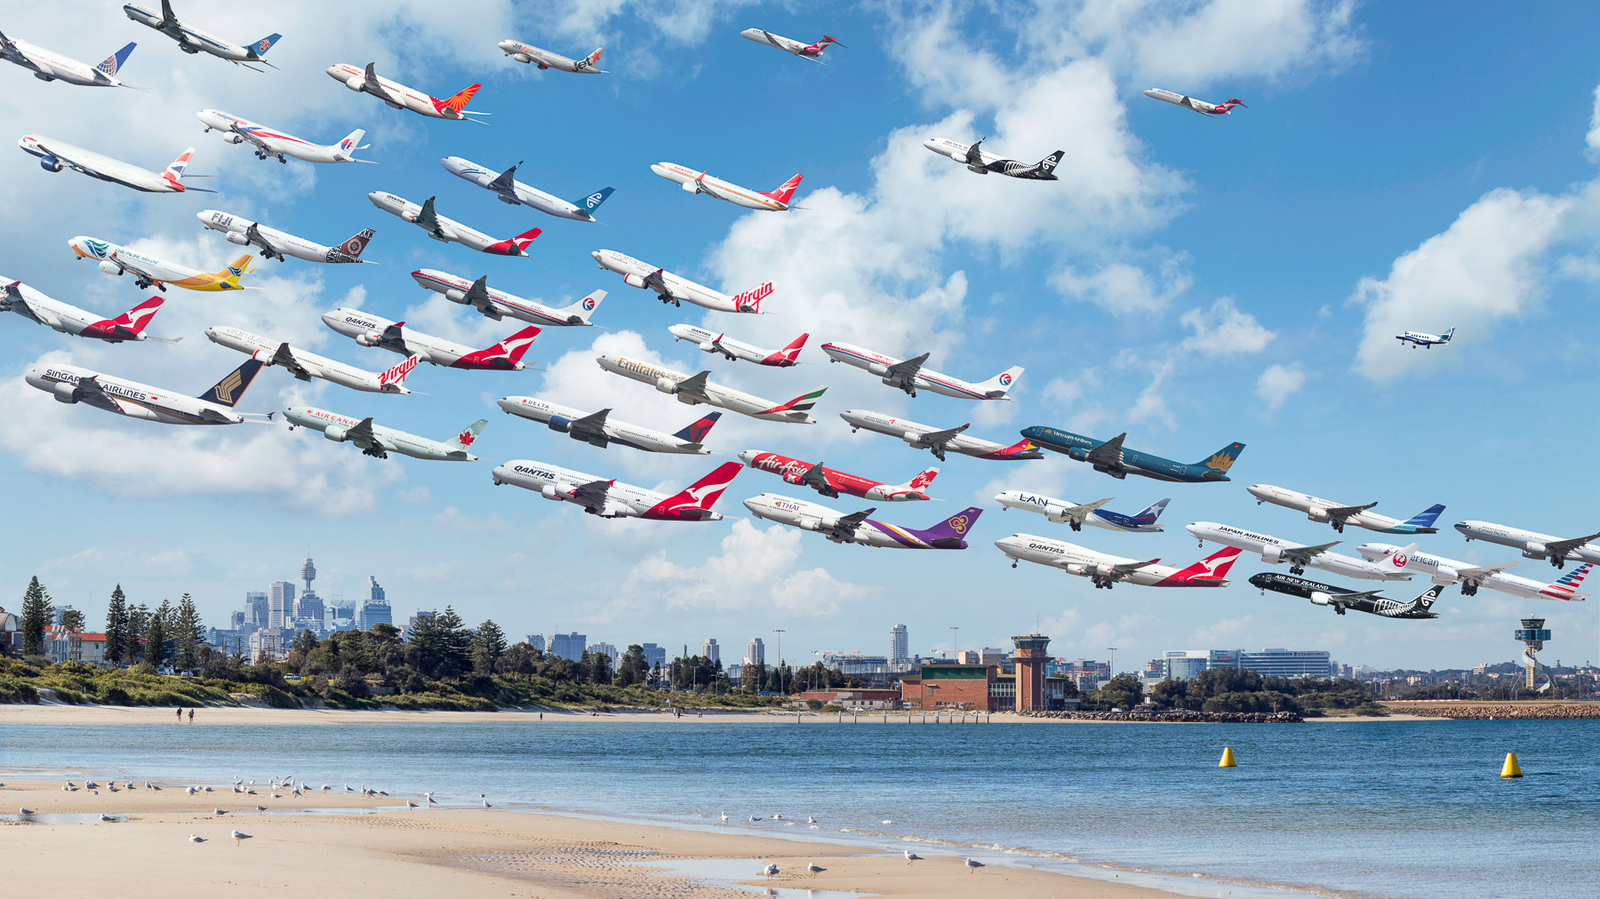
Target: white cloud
[
  {"x": 1279, "y": 382},
  {"x": 1124, "y": 289},
  {"x": 1227, "y": 632},
  {"x": 1592, "y": 140},
  {"x": 1224, "y": 330}
]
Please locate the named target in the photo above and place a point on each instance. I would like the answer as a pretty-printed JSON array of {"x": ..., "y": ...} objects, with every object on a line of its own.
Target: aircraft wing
[
  {"x": 11, "y": 51},
  {"x": 393, "y": 337},
  {"x": 974, "y": 155},
  {"x": 906, "y": 372},
  {"x": 1300, "y": 555},
  {"x": 846, "y": 526},
  {"x": 1478, "y": 574},
  {"x": 253, "y": 234},
  {"x": 16, "y": 302},
  {"x": 372, "y": 85},
  {"x": 657, "y": 281},
  {"x": 1076, "y": 514},
  {"x": 938, "y": 440},
  {"x": 1109, "y": 453},
  {"x": 1340, "y": 513},
  {"x": 284, "y": 356},
  {"x": 361, "y": 434},
  {"x": 592, "y": 496},
  {"x": 591, "y": 429},
  {"x": 88, "y": 390},
  {"x": 429, "y": 220},
  {"x": 478, "y": 298},
  {"x": 815, "y": 478},
  {"x": 1562, "y": 547},
  {"x": 1123, "y": 569},
  {"x": 506, "y": 182},
  {"x": 695, "y": 386}
]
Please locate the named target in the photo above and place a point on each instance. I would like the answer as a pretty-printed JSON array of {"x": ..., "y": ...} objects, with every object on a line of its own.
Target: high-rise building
[
  {"x": 1288, "y": 663},
  {"x": 256, "y": 603},
  {"x": 375, "y": 610},
  {"x": 308, "y": 573},
  {"x": 567, "y": 646},
  {"x": 280, "y": 604},
  {"x": 756, "y": 652},
  {"x": 236, "y": 621},
  {"x": 308, "y": 612},
  {"x": 608, "y": 649},
  {"x": 899, "y": 648},
  {"x": 536, "y": 642},
  {"x": 710, "y": 650},
  {"x": 655, "y": 656}
]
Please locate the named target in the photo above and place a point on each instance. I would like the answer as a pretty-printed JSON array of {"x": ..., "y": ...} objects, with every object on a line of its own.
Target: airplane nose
[
  {"x": 747, "y": 455},
  {"x": 931, "y": 143},
  {"x": 336, "y": 71}
]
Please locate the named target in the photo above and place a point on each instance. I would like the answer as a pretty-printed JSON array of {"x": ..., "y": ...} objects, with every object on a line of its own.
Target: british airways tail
[
  {"x": 951, "y": 533},
  {"x": 696, "y": 433}
]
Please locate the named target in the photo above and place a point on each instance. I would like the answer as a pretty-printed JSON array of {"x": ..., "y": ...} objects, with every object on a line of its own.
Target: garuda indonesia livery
[
  {"x": 714, "y": 342},
  {"x": 193, "y": 40},
  {"x": 49, "y": 66},
  {"x": 691, "y": 389},
  {"x": 613, "y": 499},
  {"x": 599, "y": 429},
  {"x": 812, "y": 52},
  {"x": 1077, "y": 515},
  {"x": 399, "y": 96},
  {"x": 1533, "y": 544},
  {"x": 508, "y": 189},
  {"x": 909, "y": 375},
  {"x": 447, "y": 230},
  {"x": 55, "y": 155},
  {"x": 1319, "y": 509},
  {"x": 1471, "y": 577},
  {"x": 830, "y": 482},
  {"x": 149, "y": 271},
  {"x": 378, "y": 441},
  {"x": 1107, "y": 570},
  {"x": 545, "y": 59},
  {"x": 1110, "y": 458},
  {"x": 270, "y": 142},
  {"x": 69, "y": 319},
  {"x": 375, "y": 330},
  {"x": 673, "y": 289},
  {"x": 938, "y": 440},
  {"x": 1369, "y": 601},
  {"x": 983, "y": 163},
  {"x": 70, "y": 384},
  {"x": 856, "y": 527},
  {"x": 498, "y": 304},
  {"x": 700, "y": 183},
  {"x": 277, "y": 244}
]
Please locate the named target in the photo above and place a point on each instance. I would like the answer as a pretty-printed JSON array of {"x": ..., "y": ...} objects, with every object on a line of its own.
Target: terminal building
[
  {"x": 1183, "y": 664},
  {"x": 986, "y": 688}
]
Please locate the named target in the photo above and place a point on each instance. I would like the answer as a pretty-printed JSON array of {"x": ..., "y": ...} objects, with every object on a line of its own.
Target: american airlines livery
[
  {"x": 69, "y": 319},
  {"x": 811, "y": 52},
  {"x": 507, "y": 189},
  {"x": 599, "y": 429},
  {"x": 691, "y": 389},
  {"x": 378, "y": 441},
  {"x": 1190, "y": 103},
  {"x": 1108, "y": 457},
  {"x": 275, "y": 244},
  {"x": 856, "y": 527},
  {"x": 55, "y": 155},
  {"x": 498, "y": 304},
  {"x": 700, "y": 183},
  {"x": 399, "y": 96},
  {"x": 1339, "y": 515},
  {"x": 720, "y": 343},
  {"x": 375, "y": 330},
  {"x": 981, "y": 163},
  {"x": 447, "y": 230},
  {"x": 909, "y": 375},
  {"x": 193, "y": 40},
  {"x": 305, "y": 366},
  {"x": 613, "y": 499},
  {"x": 1077, "y": 515},
  {"x": 70, "y": 384},
  {"x": 1274, "y": 551},
  {"x": 1340, "y": 599},
  {"x": 674, "y": 289},
  {"x": 545, "y": 59},
  {"x": 1533, "y": 544},
  {"x": 936, "y": 440},
  {"x": 49, "y": 66},
  {"x": 149, "y": 271},
  {"x": 830, "y": 482},
  {"x": 1106, "y": 570},
  {"x": 1470, "y": 577},
  {"x": 270, "y": 142}
]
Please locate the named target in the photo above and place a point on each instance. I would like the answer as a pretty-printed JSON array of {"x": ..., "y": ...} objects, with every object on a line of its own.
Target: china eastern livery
[
  {"x": 375, "y": 330},
  {"x": 856, "y": 527},
  {"x": 613, "y": 499},
  {"x": 1107, "y": 570},
  {"x": 70, "y": 384},
  {"x": 69, "y": 319},
  {"x": 1110, "y": 458},
  {"x": 1077, "y": 515},
  {"x": 599, "y": 429},
  {"x": 832, "y": 483},
  {"x": 498, "y": 304},
  {"x": 1369, "y": 601},
  {"x": 909, "y": 375},
  {"x": 937, "y": 440}
]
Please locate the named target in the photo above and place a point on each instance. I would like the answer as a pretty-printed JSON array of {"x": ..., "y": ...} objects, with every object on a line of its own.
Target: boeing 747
[
  {"x": 375, "y": 330},
  {"x": 857, "y": 528}
]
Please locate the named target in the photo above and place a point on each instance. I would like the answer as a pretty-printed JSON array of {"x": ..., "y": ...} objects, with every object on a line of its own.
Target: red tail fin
[
  {"x": 515, "y": 246},
  {"x": 697, "y": 499},
  {"x": 127, "y": 326},
  {"x": 1208, "y": 571},
  {"x": 783, "y": 193},
  {"x": 459, "y": 101},
  {"x": 789, "y": 355}
]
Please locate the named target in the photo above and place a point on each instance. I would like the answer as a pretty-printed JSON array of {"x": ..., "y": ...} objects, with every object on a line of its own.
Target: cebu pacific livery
[
  {"x": 613, "y": 499},
  {"x": 1077, "y": 515},
  {"x": 545, "y": 59},
  {"x": 600, "y": 430},
  {"x": 981, "y": 163},
  {"x": 69, "y": 319},
  {"x": 193, "y": 40},
  {"x": 55, "y": 155},
  {"x": 1108, "y": 457},
  {"x": 498, "y": 304},
  {"x": 449, "y": 230},
  {"x": 1190, "y": 103},
  {"x": 677, "y": 290},
  {"x": 379, "y": 441},
  {"x": 812, "y": 52},
  {"x": 909, "y": 375},
  {"x": 1106, "y": 570},
  {"x": 508, "y": 189},
  {"x": 692, "y": 389},
  {"x": 830, "y": 482},
  {"x": 858, "y": 528},
  {"x": 711, "y": 342},
  {"x": 49, "y": 66},
  {"x": 1339, "y": 514},
  {"x": 375, "y": 330},
  {"x": 149, "y": 271},
  {"x": 936, "y": 440},
  {"x": 70, "y": 384},
  {"x": 700, "y": 183},
  {"x": 399, "y": 96}
]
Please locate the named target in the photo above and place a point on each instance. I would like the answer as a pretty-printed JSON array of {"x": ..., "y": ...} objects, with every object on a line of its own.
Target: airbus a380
[
  {"x": 697, "y": 389},
  {"x": 508, "y": 189},
  {"x": 49, "y": 66},
  {"x": 1470, "y": 577},
  {"x": 909, "y": 375},
  {"x": 399, "y": 96},
  {"x": 983, "y": 163},
  {"x": 1533, "y": 544},
  {"x": 55, "y": 155},
  {"x": 1108, "y": 457},
  {"x": 1275, "y": 551},
  {"x": 270, "y": 142},
  {"x": 149, "y": 271},
  {"x": 832, "y": 483},
  {"x": 613, "y": 499},
  {"x": 545, "y": 59},
  {"x": 673, "y": 289},
  {"x": 812, "y": 52},
  {"x": 1107, "y": 570},
  {"x": 498, "y": 304},
  {"x": 1319, "y": 509},
  {"x": 1190, "y": 103},
  {"x": 700, "y": 183},
  {"x": 857, "y": 528},
  {"x": 1340, "y": 599},
  {"x": 305, "y": 366},
  {"x": 70, "y": 384},
  {"x": 599, "y": 429},
  {"x": 277, "y": 244},
  {"x": 69, "y": 319},
  {"x": 447, "y": 230},
  {"x": 193, "y": 40},
  {"x": 721, "y": 343},
  {"x": 1077, "y": 515},
  {"x": 375, "y": 330},
  {"x": 378, "y": 441},
  {"x": 937, "y": 440}
]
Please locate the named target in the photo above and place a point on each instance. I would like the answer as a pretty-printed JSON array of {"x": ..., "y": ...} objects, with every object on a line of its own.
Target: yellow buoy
[
  {"x": 1228, "y": 762},
  {"x": 1510, "y": 768}
]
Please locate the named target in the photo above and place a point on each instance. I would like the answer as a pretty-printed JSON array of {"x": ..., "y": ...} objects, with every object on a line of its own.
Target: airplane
[
  {"x": 718, "y": 189},
  {"x": 697, "y": 389},
  {"x": 277, "y": 244},
  {"x": 193, "y": 40},
  {"x": 544, "y": 59},
  {"x": 400, "y": 96},
  {"x": 613, "y": 499},
  {"x": 270, "y": 142},
  {"x": 813, "y": 52},
  {"x": 1274, "y": 551},
  {"x": 909, "y": 375},
  {"x": 149, "y": 271},
  {"x": 983, "y": 163},
  {"x": 1319, "y": 509},
  {"x": 55, "y": 155},
  {"x": 508, "y": 189},
  {"x": 1110, "y": 458},
  {"x": 1533, "y": 544},
  {"x": 50, "y": 66},
  {"x": 449, "y": 230},
  {"x": 1076, "y": 515},
  {"x": 1425, "y": 340},
  {"x": 378, "y": 441},
  {"x": 70, "y": 384},
  {"x": 69, "y": 319},
  {"x": 672, "y": 288},
  {"x": 305, "y": 366},
  {"x": 858, "y": 528},
  {"x": 937, "y": 440},
  {"x": 1340, "y": 599},
  {"x": 498, "y": 304},
  {"x": 735, "y": 350},
  {"x": 1449, "y": 571},
  {"x": 1200, "y": 106},
  {"x": 373, "y": 330},
  {"x": 1107, "y": 570},
  {"x": 831, "y": 482},
  {"x": 599, "y": 429}
]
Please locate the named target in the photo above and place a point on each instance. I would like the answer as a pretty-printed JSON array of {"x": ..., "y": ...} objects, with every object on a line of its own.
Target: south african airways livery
[
  {"x": 856, "y": 527},
  {"x": 1108, "y": 457}
]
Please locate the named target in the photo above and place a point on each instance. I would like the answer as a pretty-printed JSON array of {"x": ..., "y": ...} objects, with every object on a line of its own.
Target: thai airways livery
[
  {"x": 1533, "y": 544},
  {"x": 69, "y": 319},
  {"x": 1370, "y": 601},
  {"x": 676, "y": 290},
  {"x": 1339, "y": 515},
  {"x": 812, "y": 52},
  {"x": 857, "y": 528},
  {"x": 692, "y": 389},
  {"x": 545, "y": 59},
  {"x": 379, "y": 441},
  {"x": 508, "y": 189},
  {"x": 149, "y": 271},
  {"x": 1079, "y": 514},
  {"x": 700, "y": 183},
  {"x": 832, "y": 483},
  {"x": 447, "y": 230},
  {"x": 1424, "y": 339},
  {"x": 72, "y": 385},
  {"x": 305, "y": 365},
  {"x": 399, "y": 96},
  {"x": 609, "y": 498},
  {"x": 720, "y": 343},
  {"x": 272, "y": 143},
  {"x": 938, "y": 440},
  {"x": 50, "y": 66},
  {"x": 376, "y": 331},
  {"x": 193, "y": 40},
  {"x": 1106, "y": 571},
  {"x": 1190, "y": 103},
  {"x": 600, "y": 430},
  {"x": 275, "y": 244},
  {"x": 55, "y": 155},
  {"x": 981, "y": 163},
  {"x": 497, "y": 304},
  {"x": 1275, "y": 551},
  {"x": 909, "y": 374},
  {"x": 1471, "y": 577},
  {"x": 1108, "y": 457}
]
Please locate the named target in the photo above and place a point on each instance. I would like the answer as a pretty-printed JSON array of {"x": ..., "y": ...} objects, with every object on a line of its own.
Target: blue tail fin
[
  {"x": 1222, "y": 459},
  {"x": 1152, "y": 512},
  {"x": 1426, "y": 517},
  {"x": 114, "y": 61},
  {"x": 230, "y": 389},
  {"x": 592, "y": 202},
  {"x": 696, "y": 433},
  {"x": 260, "y": 48}
]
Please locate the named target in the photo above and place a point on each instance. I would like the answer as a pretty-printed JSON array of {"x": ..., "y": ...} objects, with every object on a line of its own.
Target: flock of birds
[{"x": 811, "y": 867}]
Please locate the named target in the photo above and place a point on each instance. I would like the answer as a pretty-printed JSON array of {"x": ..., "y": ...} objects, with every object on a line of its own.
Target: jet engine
[
  {"x": 263, "y": 356},
  {"x": 63, "y": 393},
  {"x": 633, "y": 281},
  {"x": 1272, "y": 555},
  {"x": 236, "y": 237},
  {"x": 692, "y": 186},
  {"x": 1104, "y": 572},
  {"x": 1444, "y": 577},
  {"x": 522, "y": 57},
  {"x": 549, "y": 491},
  {"x": 1317, "y": 515},
  {"x": 369, "y": 339},
  {"x": 978, "y": 169},
  {"x": 1534, "y": 551},
  {"x": 666, "y": 385},
  {"x": 335, "y": 433},
  {"x": 878, "y": 369},
  {"x": 235, "y": 139},
  {"x": 50, "y": 163},
  {"x": 559, "y": 424},
  {"x": 911, "y": 438},
  {"x": 109, "y": 267},
  {"x": 1318, "y": 598},
  {"x": 357, "y": 83},
  {"x": 455, "y": 296},
  {"x": 708, "y": 347}
]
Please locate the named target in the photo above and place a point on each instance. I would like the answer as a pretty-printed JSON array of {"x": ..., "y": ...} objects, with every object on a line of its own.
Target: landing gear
[
  {"x": 1557, "y": 561},
  {"x": 375, "y": 452},
  {"x": 1013, "y": 563},
  {"x": 1338, "y": 526},
  {"x": 283, "y": 160},
  {"x": 1469, "y": 588},
  {"x": 1297, "y": 569},
  {"x": 1076, "y": 525},
  {"x": 1339, "y": 609}
]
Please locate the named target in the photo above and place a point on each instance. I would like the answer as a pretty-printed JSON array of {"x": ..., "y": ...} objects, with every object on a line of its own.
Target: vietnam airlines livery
[
  {"x": 1107, "y": 570},
  {"x": 599, "y": 429},
  {"x": 613, "y": 499},
  {"x": 70, "y": 384},
  {"x": 673, "y": 289},
  {"x": 909, "y": 375},
  {"x": 69, "y": 319},
  {"x": 378, "y": 441},
  {"x": 830, "y": 482},
  {"x": 1370, "y": 601},
  {"x": 1339, "y": 515},
  {"x": 938, "y": 441},
  {"x": 498, "y": 304},
  {"x": 193, "y": 40},
  {"x": 545, "y": 59},
  {"x": 1077, "y": 515},
  {"x": 49, "y": 66},
  {"x": 375, "y": 330},
  {"x": 700, "y": 183},
  {"x": 856, "y": 527},
  {"x": 277, "y": 244},
  {"x": 305, "y": 366},
  {"x": 55, "y": 155},
  {"x": 982, "y": 163},
  {"x": 1110, "y": 458},
  {"x": 149, "y": 271},
  {"x": 1533, "y": 544},
  {"x": 399, "y": 96},
  {"x": 1275, "y": 551},
  {"x": 1471, "y": 577},
  {"x": 691, "y": 389},
  {"x": 507, "y": 189},
  {"x": 712, "y": 342},
  {"x": 270, "y": 142},
  {"x": 812, "y": 52}
]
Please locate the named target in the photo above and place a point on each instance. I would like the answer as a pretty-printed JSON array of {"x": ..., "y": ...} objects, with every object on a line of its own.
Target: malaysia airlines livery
[
  {"x": 70, "y": 384},
  {"x": 1077, "y": 515},
  {"x": 1340, "y": 599},
  {"x": 498, "y": 304},
  {"x": 1106, "y": 570},
  {"x": 1110, "y": 458},
  {"x": 697, "y": 389},
  {"x": 937, "y": 440},
  {"x": 909, "y": 375},
  {"x": 1449, "y": 571},
  {"x": 305, "y": 366},
  {"x": 544, "y": 59},
  {"x": 856, "y": 527},
  {"x": 69, "y": 319},
  {"x": 789, "y": 45},
  {"x": 832, "y": 483},
  {"x": 399, "y": 96},
  {"x": 613, "y": 499},
  {"x": 277, "y": 244},
  {"x": 447, "y": 230},
  {"x": 1274, "y": 551},
  {"x": 700, "y": 183},
  {"x": 1425, "y": 340},
  {"x": 508, "y": 189},
  {"x": 375, "y": 330},
  {"x": 1187, "y": 102},
  {"x": 1533, "y": 544},
  {"x": 55, "y": 155},
  {"x": 269, "y": 142},
  {"x": 378, "y": 441},
  {"x": 712, "y": 342},
  {"x": 50, "y": 66},
  {"x": 673, "y": 289},
  {"x": 983, "y": 163},
  {"x": 149, "y": 271},
  {"x": 599, "y": 429},
  {"x": 193, "y": 40},
  {"x": 1319, "y": 509}
]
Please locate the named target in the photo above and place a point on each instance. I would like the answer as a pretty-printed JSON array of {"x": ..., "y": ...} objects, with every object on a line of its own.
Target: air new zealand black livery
[{"x": 1341, "y": 599}]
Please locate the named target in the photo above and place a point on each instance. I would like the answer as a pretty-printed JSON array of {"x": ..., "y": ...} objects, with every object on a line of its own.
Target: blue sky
[{"x": 1192, "y": 282}]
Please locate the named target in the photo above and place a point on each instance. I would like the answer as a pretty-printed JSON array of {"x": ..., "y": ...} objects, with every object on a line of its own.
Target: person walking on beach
[
  {"x": 180, "y": 714},
  {"x": 191, "y": 716}
]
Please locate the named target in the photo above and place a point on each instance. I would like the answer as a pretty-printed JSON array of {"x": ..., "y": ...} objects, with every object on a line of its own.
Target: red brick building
[{"x": 977, "y": 687}]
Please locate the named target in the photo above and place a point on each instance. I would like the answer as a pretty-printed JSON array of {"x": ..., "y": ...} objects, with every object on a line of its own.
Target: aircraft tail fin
[
  {"x": 1222, "y": 459},
  {"x": 696, "y": 432},
  {"x": 260, "y": 48},
  {"x": 459, "y": 101},
  {"x": 468, "y": 435},
  {"x": 802, "y": 403},
  {"x": 1153, "y": 511},
  {"x": 998, "y": 386},
  {"x": 578, "y": 313},
  {"x": 789, "y": 354},
  {"x": 396, "y": 375},
  {"x": 702, "y": 494},
  {"x": 350, "y": 143},
  {"x": 921, "y": 480},
  {"x": 114, "y": 62},
  {"x": 1424, "y": 600},
  {"x": 1230, "y": 103},
  {"x": 1448, "y": 335},
  {"x": 137, "y": 318},
  {"x": 1049, "y": 163},
  {"x": 951, "y": 533},
  {"x": 231, "y": 388},
  {"x": 513, "y": 348},
  {"x": 593, "y": 59},
  {"x": 353, "y": 246},
  {"x": 234, "y": 272},
  {"x": 592, "y": 202},
  {"x": 1210, "y": 571},
  {"x": 1566, "y": 586},
  {"x": 750, "y": 300},
  {"x": 174, "y": 172},
  {"x": 1426, "y": 518},
  {"x": 785, "y": 192}
]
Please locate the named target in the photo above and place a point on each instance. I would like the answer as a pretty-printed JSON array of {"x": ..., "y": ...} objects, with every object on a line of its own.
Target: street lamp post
[{"x": 780, "y": 632}]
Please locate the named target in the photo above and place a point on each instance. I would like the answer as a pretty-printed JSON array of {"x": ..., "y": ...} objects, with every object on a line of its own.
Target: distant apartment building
[
  {"x": 756, "y": 652},
  {"x": 375, "y": 608},
  {"x": 1187, "y": 663},
  {"x": 654, "y": 656},
  {"x": 864, "y": 669},
  {"x": 899, "y": 649},
  {"x": 280, "y": 604},
  {"x": 536, "y": 642},
  {"x": 236, "y": 621},
  {"x": 62, "y": 645},
  {"x": 567, "y": 646},
  {"x": 711, "y": 650},
  {"x": 608, "y": 649},
  {"x": 1085, "y": 674},
  {"x": 984, "y": 657},
  {"x": 256, "y": 604},
  {"x": 272, "y": 644},
  {"x": 309, "y": 613}
]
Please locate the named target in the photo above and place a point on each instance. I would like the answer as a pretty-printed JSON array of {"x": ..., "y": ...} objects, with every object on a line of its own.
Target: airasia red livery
[{"x": 830, "y": 482}]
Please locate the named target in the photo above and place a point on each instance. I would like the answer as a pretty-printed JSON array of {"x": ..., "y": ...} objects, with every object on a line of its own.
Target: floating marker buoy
[
  {"x": 1510, "y": 768},
  {"x": 1228, "y": 762}
]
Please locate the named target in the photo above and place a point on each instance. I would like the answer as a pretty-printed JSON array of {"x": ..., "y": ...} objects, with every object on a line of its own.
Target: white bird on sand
[
  {"x": 815, "y": 868},
  {"x": 770, "y": 870},
  {"x": 24, "y": 811},
  {"x": 277, "y": 796},
  {"x": 104, "y": 817},
  {"x": 196, "y": 838},
  {"x": 208, "y": 789},
  {"x": 91, "y": 784},
  {"x": 239, "y": 838},
  {"x": 326, "y": 787},
  {"x": 429, "y": 796},
  {"x": 410, "y": 804},
  {"x": 151, "y": 786},
  {"x": 887, "y": 821},
  {"x": 912, "y": 857},
  {"x": 486, "y": 804},
  {"x": 111, "y": 787},
  {"x": 190, "y": 790},
  {"x": 973, "y": 864},
  {"x": 219, "y": 811},
  {"x": 261, "y": 808},
  {"x": 723, "y": 816}
]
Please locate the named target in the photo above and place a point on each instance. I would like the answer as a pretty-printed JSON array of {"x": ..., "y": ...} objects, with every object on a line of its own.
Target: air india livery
[
  {"x": 856, "y": 527},
  {"x": 832, "y": 483},
  {"x": 612, "y": 499},
  {"x": 69, "y": 319},
  {"x": 399, "y": 96},
  {"x": 1107, "y": 570},
  {"x": 700, "y": 183}
]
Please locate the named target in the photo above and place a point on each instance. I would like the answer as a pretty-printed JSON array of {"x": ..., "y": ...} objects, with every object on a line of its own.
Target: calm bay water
[{"x": 1398, "y": 808}]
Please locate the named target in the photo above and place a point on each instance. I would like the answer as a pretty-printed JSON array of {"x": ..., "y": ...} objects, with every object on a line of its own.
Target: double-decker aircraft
[
  {"x": 610, "y": 498},
  {"x": 71, "y": 384},
  {"x": 69, "y": 319}
]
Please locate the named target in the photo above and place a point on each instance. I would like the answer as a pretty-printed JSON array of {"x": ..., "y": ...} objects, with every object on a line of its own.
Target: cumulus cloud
[
  {"x": 1279, "y": 382},
  {"x": 1224, "y": 330},
  {"x": 1124, "y": 289},
  {"x": 1592, "y": 140}
]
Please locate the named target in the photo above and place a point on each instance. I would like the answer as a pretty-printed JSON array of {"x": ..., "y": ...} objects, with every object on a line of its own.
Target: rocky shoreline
[
  {"x": 1484, "y": 711},
  {"x": 1180, "y": 716}
]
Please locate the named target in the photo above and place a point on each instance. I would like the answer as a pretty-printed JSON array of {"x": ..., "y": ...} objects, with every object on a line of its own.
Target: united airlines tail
[{"x": 114, "y": 62}]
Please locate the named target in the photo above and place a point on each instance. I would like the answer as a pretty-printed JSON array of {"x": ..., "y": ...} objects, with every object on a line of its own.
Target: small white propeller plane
[{"x": 1425, "y": 340}]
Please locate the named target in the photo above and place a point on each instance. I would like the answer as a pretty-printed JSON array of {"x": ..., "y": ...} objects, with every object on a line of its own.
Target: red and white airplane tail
[
  {"x": 129, "y": 325},
  {"x": 515, "y": 246},
  {"x": 695, "y": 501},
  {"x": 504, "y": 356},
  {"x": 396, "y": 376},
  {"x": 750, "y": 300},
  {"x": 919, "y": 483},
  {"x": 1228, "y": 105},
  {"x": 356, "y": 243},
  {"x": 789, "y": 355},
  {"x": 1212, "y": 571},
  {"x": 174, "y": 172},
  {"x": 593, "y": 59},
  {"x": 459, "y": 101},
  {"x": 783, "y": 193}
]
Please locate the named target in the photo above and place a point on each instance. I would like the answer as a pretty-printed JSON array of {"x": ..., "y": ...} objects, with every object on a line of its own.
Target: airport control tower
[
  {"x": 1532, "y": 634},
  {"x": 1030, "y": 658}
]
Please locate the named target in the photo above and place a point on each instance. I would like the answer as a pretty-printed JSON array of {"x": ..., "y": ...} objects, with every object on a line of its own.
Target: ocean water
[{"x": 1400, "y": 808}]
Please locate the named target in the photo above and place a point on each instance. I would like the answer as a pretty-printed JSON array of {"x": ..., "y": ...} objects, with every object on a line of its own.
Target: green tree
[
  {"x": 427, "y": 647},
  {"x": 117, "y": 627},
  {"x": 186, "y": 634},
  {"x": 599, "y": 667},
  {"x": 72, "y": 620},
  {"x": 138, "y": 625},
  {"x": 158, "y": 634},
  {"x": 488, "y": 645},
  {"x": 455, "y": 641},
  {"x": 632, "y": 668},
  {"x": 1124, "y": 690},
  {"x": 36, "y": 611}
]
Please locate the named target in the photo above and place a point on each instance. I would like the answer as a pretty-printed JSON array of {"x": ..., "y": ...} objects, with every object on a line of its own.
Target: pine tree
[
  {"x": 117, "y": 627},
  {"x": 488, "y": 645},
  {"x": 36, "y": 613},
  {"x": 138, "y": 624},
  {"x": 186, "y": 634},
  {"x": 455, "y": 639},
  {"x": 158, "y": 633}
]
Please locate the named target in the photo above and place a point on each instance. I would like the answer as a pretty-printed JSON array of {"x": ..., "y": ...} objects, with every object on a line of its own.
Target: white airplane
[
  {"x": 149, "y": 271},
  {"x": 609, "y": 498},
  {"x": 399, "y": 96},
  {"x": 70, "y": 384},
  {"x": 1274, "y": 551},
  {"x": 1107, "y": 570},
  {"x": 193, "y": 40},
  {"x": 1077, "y": 515},
  {"x": 373, "y": 330},
  {"x": 812, "y": 52},
  {"x": 270, "y": 142},
  {"x": 674, "y": 289},
  {"x": 509, "y": 190},
  {"x": 49, "y": 66},
  {"x": 983, "y": 163},
  {"x": 712, "y": 342},
  {"x": 1533, "y": 544},
  {"x": 856, "y": 527},
  {"x": 379, "y": 441},
  {"x": 55, "y": 155},
  {"x": 1425, "y": 340},
  {"x": 277, "y": 244},
  {"x": 599, "y": 429},
  {"x": 544, "y": 59},
  {"x": 1319, "y": 509},
  {"x": 938, "y": 440},
  {"x": 696, "y": 389},
  {"x": 69, "y": 319},
  {"x": 305, "y": 366},
  {"x": 498, "y": 304},
  {"x": 449, "y": 230},
  {"x": 909, "y": 375},
  {"x": 716, "y": 188},
  {"x": 1470, "y": 577},
  {"x": 1200, "y": 106}
]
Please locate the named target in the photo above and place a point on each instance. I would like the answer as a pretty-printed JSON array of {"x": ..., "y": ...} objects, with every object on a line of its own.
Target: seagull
[
  {"x": 777, "y": 817},
  {"x": 151, "y": 786},
  {"x": 276, "y": 796},
  {"x": 195, "y": 838},
  {"x": 24, "y": 811},
  {"x": 815, "y": 868},
  {"x": 107, "y": 818},
  {"x": 429, "y": 796},
  {"x": 238, "y": 789},
  {"x": 887, "y": 821},
  {"x": 90, "y": 784},
  {"x": 111, "y": 787},
  {"x": 754, "y": 819},
  {"x": 486, "y": 804},
  {"x": 219, "y": 811},
  {"x": 326, "y": 788},
  {"x": 297, "y": 791},
  {"x": 190, "y": 790},
  {"x": 771, "y": 870},
  {"x": 246, "y": 792},
  {"x": 811, "y": 819},
  {"x": 261, "y": 808},
  {"x": 973, "y": 864},
  {"x": 208, "y": 789},
  {"x": 410, "y": 804},
  {"x": 912, "y": 857},
  {"x": 723, "y": 816},
  {"x": 239, "y": 838}
]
